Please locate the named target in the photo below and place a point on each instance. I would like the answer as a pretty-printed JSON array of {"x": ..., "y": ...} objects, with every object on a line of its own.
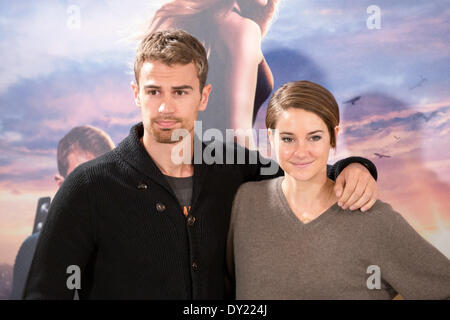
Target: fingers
[
  {"x": 360, "y": 202},
  {"x": 339, "y": 186},
  {"x": 364, "y": 195},
  {"x": 349, "y": 188},
  {"x": 368, "y": 205},
  {"x": 373, "y": 187},
  {"x": 357, "y": 194}
]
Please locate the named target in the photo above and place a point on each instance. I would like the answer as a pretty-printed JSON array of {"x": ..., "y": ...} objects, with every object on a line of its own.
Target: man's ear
[
  {"x": 270, "y": 133},
  {"x": 135, "y": 88},
  {"x": 205, "y": 97},
  {"x": 59, "y": 179}
]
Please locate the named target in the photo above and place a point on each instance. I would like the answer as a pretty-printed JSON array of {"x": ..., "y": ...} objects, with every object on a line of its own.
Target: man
[
  {"x": 119, "y": 219},
  {"x": 79, "y": 145}
]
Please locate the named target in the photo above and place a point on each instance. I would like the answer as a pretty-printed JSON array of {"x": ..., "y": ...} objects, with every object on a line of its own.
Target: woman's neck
[{"x": 309, "y": 199}]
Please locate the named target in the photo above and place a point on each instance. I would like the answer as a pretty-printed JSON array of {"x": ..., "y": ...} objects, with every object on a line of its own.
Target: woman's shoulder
[
  {"x": 383, "y": 214},
  {"x": 258, "y": 189}
]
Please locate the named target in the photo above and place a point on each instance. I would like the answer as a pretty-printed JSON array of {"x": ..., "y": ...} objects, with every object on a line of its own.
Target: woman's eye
[
  {"x": 315, "y": 138},
  {"x": 287, "y": 139}
]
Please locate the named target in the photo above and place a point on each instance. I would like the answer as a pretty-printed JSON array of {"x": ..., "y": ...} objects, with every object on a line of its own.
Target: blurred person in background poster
[
  {"x": 231, "y": 32},
  {"x": 79, "y": 145}
]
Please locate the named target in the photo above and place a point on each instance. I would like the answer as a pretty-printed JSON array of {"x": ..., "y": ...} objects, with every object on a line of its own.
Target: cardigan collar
[{"x": 134, "y": 153}]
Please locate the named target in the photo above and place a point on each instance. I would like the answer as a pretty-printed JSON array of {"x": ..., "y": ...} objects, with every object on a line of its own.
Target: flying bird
[
  {"x": 397, "y": 138},
  {"x": 430, "y": 115},
  {"x": 379, "y": 155},
  {"x": 418, "y": 84},
  {"x": 353, "y": 100}
]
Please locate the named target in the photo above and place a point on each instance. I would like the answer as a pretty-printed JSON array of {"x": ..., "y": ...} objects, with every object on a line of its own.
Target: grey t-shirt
[
  {"x": 338, "y": 255},
  {"x": 182, "y": 187}
]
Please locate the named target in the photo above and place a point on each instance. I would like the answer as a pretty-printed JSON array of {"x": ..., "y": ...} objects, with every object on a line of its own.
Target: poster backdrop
[{"x": 66, "y": 64}]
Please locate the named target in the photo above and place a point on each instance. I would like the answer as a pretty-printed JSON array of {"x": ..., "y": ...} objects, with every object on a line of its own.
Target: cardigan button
[
  {"x": 194, "y": 266},
  {"x": 190, "y": 221},
  {"x": 142, "y": 186},
  {"x": 160, "y": 207}
]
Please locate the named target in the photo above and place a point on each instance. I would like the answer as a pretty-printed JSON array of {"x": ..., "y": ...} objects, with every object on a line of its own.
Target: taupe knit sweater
[{"x": 339, "y": 255}]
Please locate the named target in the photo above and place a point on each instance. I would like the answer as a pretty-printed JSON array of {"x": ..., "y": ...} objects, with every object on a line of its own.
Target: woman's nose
[{"x": 301, "y": 149}]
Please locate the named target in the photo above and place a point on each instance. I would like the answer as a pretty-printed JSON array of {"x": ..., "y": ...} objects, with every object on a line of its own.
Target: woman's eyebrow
[{"x": 312, "y": 132}]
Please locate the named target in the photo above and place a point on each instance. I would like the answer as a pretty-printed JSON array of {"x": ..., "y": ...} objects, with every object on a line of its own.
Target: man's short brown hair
[
  {"x": 308, "y": 96},
  {"x": 170, "y": 47}
]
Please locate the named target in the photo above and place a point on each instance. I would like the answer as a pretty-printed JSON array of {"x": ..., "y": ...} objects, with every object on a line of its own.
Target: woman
[
  {"x": 231, "y": 32},
  {"x": 289, "y": 239}
]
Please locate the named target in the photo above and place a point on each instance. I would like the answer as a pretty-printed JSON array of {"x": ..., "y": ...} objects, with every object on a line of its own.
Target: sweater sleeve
[
  {"x": 410, "y": 264},
  {"x": 334, "y": 171},
  {"x": 66, "y": 240}
]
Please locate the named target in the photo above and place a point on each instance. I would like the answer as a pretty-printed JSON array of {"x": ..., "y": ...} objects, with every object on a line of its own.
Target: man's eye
[
  {"x": 153, "y": 92},
  {"x": 180, "y": 92},
  {"x": 315, "y": 138},
  {"x": 286, "y": 139}
]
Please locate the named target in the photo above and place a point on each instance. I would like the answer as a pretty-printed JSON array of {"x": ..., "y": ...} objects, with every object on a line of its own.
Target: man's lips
[{"x": 166, "y": 123}]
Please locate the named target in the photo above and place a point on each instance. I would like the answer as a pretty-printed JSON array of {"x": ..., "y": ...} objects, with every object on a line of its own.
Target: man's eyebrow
[
  {"x": 151, "y": 86},
  {"x": 182, "y": 87}
]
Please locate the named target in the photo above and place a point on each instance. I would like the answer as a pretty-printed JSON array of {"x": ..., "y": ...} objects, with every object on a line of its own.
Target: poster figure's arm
[{"x": 243, "y": 43}]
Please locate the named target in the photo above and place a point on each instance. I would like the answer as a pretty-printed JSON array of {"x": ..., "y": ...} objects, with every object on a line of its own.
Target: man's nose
[{"x": 166, "y": 107}]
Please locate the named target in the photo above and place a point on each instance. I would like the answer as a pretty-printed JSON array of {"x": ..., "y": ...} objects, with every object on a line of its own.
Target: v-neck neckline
[{"x": 289, "y": 213}]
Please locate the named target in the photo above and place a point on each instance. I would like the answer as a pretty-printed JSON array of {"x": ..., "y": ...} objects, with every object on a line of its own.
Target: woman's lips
[{"x": 302, "y": 164}]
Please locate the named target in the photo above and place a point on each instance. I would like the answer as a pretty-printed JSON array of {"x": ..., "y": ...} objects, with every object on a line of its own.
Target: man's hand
[{"x": 356, "y": 188}]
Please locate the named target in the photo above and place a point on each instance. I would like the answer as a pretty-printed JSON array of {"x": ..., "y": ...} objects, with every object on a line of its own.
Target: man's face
[{"x": 169, "y": 98}]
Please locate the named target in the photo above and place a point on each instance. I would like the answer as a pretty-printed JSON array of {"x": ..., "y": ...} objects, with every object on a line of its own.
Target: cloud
[{"x": 37, "y": 40}]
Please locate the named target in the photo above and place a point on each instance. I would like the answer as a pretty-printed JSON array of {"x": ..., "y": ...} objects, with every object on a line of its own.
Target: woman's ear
[
  {"x": 336, "y": 134},
  {"x": 336, "y": 131}
]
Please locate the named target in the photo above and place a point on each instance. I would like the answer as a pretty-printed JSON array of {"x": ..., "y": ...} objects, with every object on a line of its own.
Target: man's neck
[{"x": 168, "y": 159}]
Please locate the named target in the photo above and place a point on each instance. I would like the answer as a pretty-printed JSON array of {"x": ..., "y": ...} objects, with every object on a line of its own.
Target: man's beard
[{"x": 164, "y": 135}]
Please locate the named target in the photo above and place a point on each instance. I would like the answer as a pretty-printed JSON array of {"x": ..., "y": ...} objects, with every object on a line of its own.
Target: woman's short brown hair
[{"x": 308, "y": 96}]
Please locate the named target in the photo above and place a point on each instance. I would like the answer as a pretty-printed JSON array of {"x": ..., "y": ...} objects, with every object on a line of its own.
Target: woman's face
[{"x": 302, "y": 143}]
